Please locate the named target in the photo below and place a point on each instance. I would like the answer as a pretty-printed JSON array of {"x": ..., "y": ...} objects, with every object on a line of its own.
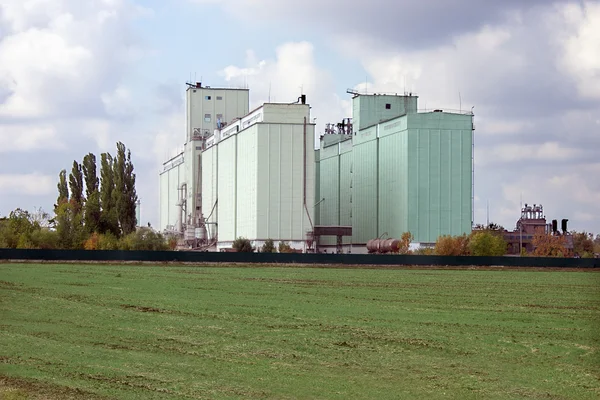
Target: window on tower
[
  {"x": 206, "y": 117},
  {"x": 388, "y": 106},
  {"x": 207, "y": 97}
]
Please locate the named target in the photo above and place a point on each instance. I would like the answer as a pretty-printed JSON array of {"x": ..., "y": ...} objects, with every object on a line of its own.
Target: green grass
[{"x": 154, "y": 332}]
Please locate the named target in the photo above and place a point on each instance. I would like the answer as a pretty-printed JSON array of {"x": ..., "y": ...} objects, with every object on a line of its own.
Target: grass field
[{"x": 158, "y": 332}]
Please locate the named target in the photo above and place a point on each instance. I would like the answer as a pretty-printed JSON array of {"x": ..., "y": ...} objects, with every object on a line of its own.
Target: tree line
[{"x": 91, "y": 212}]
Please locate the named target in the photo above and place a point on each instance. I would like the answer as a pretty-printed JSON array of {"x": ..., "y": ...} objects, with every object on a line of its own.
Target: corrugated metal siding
[
  {"x": 345, "y": 207},
  {"x": 364, "y": 186},
  {"x": 439, "y": 176},
  {"x": 247, "y": 183},
  {"x": 330, "y": 186},
  {"x": 209, "y": 188},
  {"x": 392, "y": 185},
  {"x": 227, "y": 188},
  {"x": 281, "y": 213},
  {"x": 416, "y": 177}
]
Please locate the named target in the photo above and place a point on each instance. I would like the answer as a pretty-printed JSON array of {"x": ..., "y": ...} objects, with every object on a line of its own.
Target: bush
[
  {"x": 404, "y": 246},
  {"x": 143, "y": 239},
  {"x": 243, "y": 245},
  {"x": 424, "y": 251},
  {"x": 284, "y": 247},
  {"x": 268, "y": 247},
  {"x": 487, "y": 244},
  {"x": 108, "y": 241},
  {"x": 452, "y": 245}
]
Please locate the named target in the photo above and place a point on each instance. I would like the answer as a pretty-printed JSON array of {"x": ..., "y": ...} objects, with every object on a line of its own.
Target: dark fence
[{"x": 292, "y": 258}]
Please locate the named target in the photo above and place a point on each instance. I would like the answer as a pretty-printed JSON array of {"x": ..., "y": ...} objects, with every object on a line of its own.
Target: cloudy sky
[{"x": 78, "y": 76}]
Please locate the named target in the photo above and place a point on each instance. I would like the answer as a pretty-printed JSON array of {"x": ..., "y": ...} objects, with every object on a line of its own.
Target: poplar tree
[
  {"x": 76, "y": 186},
  {"x": 92, "y": 203},
  {"x": 108, "y": 218},
  {"x": 125, "y": 195},
  {"x": 63, "y": 189}
]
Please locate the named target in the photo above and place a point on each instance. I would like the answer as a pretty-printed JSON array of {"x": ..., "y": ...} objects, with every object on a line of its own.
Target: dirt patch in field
[
  {"x": 143, "y": 309},
  {"x": 22, "y": 389}
]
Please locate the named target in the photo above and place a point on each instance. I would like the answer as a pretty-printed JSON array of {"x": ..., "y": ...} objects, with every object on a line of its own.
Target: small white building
[{"x": 252, "y": 177}]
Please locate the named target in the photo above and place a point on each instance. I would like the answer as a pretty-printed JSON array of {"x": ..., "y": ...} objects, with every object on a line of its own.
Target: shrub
[
  {"x": 92, "y": 242},
  {"x": 143, "y": 239},
  {"x": 405, "y": 240},
  {"x": 284, "y": 247},
  {"x": 268, "y": 247},
  {"x": 452, "y": 245},
  {"x": 243, "y": 245},
  {"x": 108, "y": 241}
]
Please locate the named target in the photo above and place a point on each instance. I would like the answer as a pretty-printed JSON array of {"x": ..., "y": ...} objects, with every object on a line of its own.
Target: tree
[
  {"x": 242, "y": 245},
  {"x": 92, "y": 212},
  {"x": 76, "y": 186},
  {"x": 63, "y": 189},
  {"x": 583, "y": 245},
  {"x": 17, "y": 230},
  {"x": 549, "y": 245},
  {"x": 405, "y": 240},
  {"x": 490, "y": 227},
  {"x": 108, "y": 218},
  {"x": 268, "y": 246},
  {"x": 125, "y": 196},
  {"x": 69, "y": 226},
  {"x": 486, "y": 243}
]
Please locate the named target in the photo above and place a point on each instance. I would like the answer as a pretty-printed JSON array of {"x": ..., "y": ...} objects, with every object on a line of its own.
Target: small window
[
  {"x": 206, "y": 117},
  {"x": 220, "y": 116},
  {"x": 207, "y": 97},
  {"x": 388, "y": 106},
  {"x": 219, "y": 97}
]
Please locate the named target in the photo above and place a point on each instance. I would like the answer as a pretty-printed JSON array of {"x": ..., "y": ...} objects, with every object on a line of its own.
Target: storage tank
[
  {"x": 389, "y": 246},
  {"x": 371, "y": 248},
  {"x": 201, "y": 233}
]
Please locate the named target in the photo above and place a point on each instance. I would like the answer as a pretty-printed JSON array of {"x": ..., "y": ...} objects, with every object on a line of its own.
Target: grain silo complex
[
  {"x": 256, "y": 174},
  {"x": 247, "y": 174},
  {"x": 391, "y": 169}
]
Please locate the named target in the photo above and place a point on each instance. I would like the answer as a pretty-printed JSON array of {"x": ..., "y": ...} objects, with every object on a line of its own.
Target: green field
[{"x": 178, "y": 332}]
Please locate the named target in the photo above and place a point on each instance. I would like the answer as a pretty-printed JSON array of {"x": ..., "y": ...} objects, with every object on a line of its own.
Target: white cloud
[
  {"x": 27, "y": 184},
  {"x": 291, "y": 73},
  {"x": 581, "y": 43},
  {"x": 29, "y": 137}
]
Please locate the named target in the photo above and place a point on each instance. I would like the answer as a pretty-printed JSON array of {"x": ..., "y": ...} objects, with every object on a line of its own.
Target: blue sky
[{"x": 75, "y": 77}]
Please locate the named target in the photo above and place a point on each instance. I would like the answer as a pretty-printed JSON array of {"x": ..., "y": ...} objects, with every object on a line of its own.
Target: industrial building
[
  {"x": 243, "y": 174},
  {"x": 387, "y": 170},
  {"x": 391, "y": 169},
  {"x": 532, "y": 222}
]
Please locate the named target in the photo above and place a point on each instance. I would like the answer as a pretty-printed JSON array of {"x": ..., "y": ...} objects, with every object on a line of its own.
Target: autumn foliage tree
[
  {"x": 549, "y": 245},
  {"x": 405, "y": 241},
  {"x": 583, "y": 244}
]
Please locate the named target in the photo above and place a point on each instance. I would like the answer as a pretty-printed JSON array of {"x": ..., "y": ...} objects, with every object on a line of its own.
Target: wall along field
[{"x": 177, "y": 332}]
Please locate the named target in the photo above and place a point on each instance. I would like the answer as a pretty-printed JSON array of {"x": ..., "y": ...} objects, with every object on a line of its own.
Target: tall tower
[{"x": 207, "y": 109}]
